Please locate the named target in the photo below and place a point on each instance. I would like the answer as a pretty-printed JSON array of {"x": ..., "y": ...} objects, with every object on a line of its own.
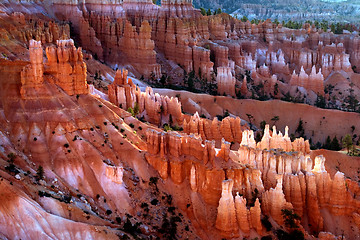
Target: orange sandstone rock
[
  {"x": 66, "y": 64},
  {"x": 33, "y": 75},
  {"x": 226, "y": 215},
  {"x": 225, "y": 81}
]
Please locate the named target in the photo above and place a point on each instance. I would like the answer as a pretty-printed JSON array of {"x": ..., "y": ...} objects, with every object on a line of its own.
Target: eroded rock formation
[
  {"x": 229, "y": 128},
  {"x": 139, "y": 49},
  {"x": 280, "y": 180},
  {"x": 314, "y": 81},
  {"x": 227, "y": 181},
  {"x": 155, "y": 108},
  {"x": 65, "y": 67},
  {"x": 225, "y": 81}
]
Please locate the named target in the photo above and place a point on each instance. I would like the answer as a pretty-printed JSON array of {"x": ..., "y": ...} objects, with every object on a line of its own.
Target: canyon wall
[
  {"x": 64, "y": 67},
  {"x": 153, "y": 107},
  {"x": 267, "y": 171}
]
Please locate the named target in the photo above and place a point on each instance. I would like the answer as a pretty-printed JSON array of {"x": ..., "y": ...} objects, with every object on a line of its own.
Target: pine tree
[
  {"x": 347, "y": 142},
  {"x": 327, "y": 144},
  {"x": 335, "y": 145},
  {"x": 40, "y": 173}
]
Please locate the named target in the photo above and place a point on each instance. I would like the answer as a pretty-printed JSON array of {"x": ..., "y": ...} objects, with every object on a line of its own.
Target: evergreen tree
[
  {"x": 327, "y": 144},
  {"x": 209, "y": 12},
  {"x": 262, "y": 125},
  {"x": 40, "y": 173},
  {"x": 335, "y": 145},
  {"x": 347, "y": 142},
  {"x": 300, "y": 128},
  {"x": 275, "y": 119},
  {"x": 203, "y": 11},
  {"x": 163, "y": 79},
  {"x": 320, "y": 102}
]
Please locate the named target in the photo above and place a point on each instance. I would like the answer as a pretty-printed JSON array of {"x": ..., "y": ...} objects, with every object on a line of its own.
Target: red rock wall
[
  {"x": 139, "y": 49},
  {"x": 229, "y": 128},
  {"x": 280, "y": 180},
  {"x": 153, "y": 107},
  {"x": 65, "y": 67},
  {"x": 32, "y": 76}
]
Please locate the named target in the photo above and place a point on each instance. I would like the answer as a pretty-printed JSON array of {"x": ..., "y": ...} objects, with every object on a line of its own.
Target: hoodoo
[{"x": 127, "y": 119}]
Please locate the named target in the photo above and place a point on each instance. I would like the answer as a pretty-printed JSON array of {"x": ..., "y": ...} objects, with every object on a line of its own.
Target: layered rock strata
[
  {"x": 64, "y": 67},
  {"x": 229, "y": 128},
  {"x": 279, "y": 180},
  {"x": 313, "y": 82},
  {"x": 153, "y": 107},
  {"x": 225, "y": 81}
]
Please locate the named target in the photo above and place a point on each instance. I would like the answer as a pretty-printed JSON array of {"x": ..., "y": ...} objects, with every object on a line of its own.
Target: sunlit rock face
[
  {"x": 286, "y": 181},
  {"x": 225, "y": 81},
  {"x": 124, "y": 159},
  {"x": 150, "y": 105},
  {"x": 64, "y": 67}
]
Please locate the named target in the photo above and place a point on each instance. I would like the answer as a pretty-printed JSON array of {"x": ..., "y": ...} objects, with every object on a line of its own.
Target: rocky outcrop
[
  {"x": 65, "y": 67},
  {"x": 280, "y": 180},
  {"x": 278, "y": 141},
  {"x": 242, "y": 214},
  {"x": 217, "y": 28},
  {"x": 153, "y": 107},
  {"x": 244, "y": 89},
  {"x": 225, "y": 81},
  {"x": 32, "y": 77},
  {"x": 274, "y": 201},
  {"x": 226, "y": 216},
  {"x": 229, "y": 128},
  {"x": 277, "y": 62},
  {"x": 202, "y": 63},
  {"x": 115, "y": 174},
  {"x": 221, "y": 55},
  {"x": 291, "y": 181},
  {"x": 275, "y": 141},
  {"x": 176, "y": 42},
  {"x": 232, "y": 214},
  {"x": 179, "y": 8},
  {"x": 313, "y": 82},
  {"x": 139, "y": 49},
  {"x": 247, "y": 62},
  {"x": 329, "y": 236},
  {"x": 45, "y": 32}
]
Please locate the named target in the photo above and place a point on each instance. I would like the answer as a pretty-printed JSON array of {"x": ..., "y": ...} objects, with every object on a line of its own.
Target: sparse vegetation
[
  {"x": 291, "y": 221},
  {"x": 40, "y": 173},
  {"x": 275, "y": 119},
  {"x": 348, "y": 143},
  {"x": 300, "y": 128}
]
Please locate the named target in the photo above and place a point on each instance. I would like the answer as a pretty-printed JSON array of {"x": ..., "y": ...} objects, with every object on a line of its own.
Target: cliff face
[
  {"x": 175, "y": 35},
  {"x": 101, "y": 164},
  {"x": 314, "y": 81},
  {"x": 65, "y": 68},
  {"x": 139, "y": 49},
  {"x": 47, "y": 127},
  {"x": 225, "y": 81},
  {"x": 153, "y": 107},
  {"x": 65, "y": 63},
  {"x": 229, "y": 128},
  {"x": 280, "y": 180}
]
